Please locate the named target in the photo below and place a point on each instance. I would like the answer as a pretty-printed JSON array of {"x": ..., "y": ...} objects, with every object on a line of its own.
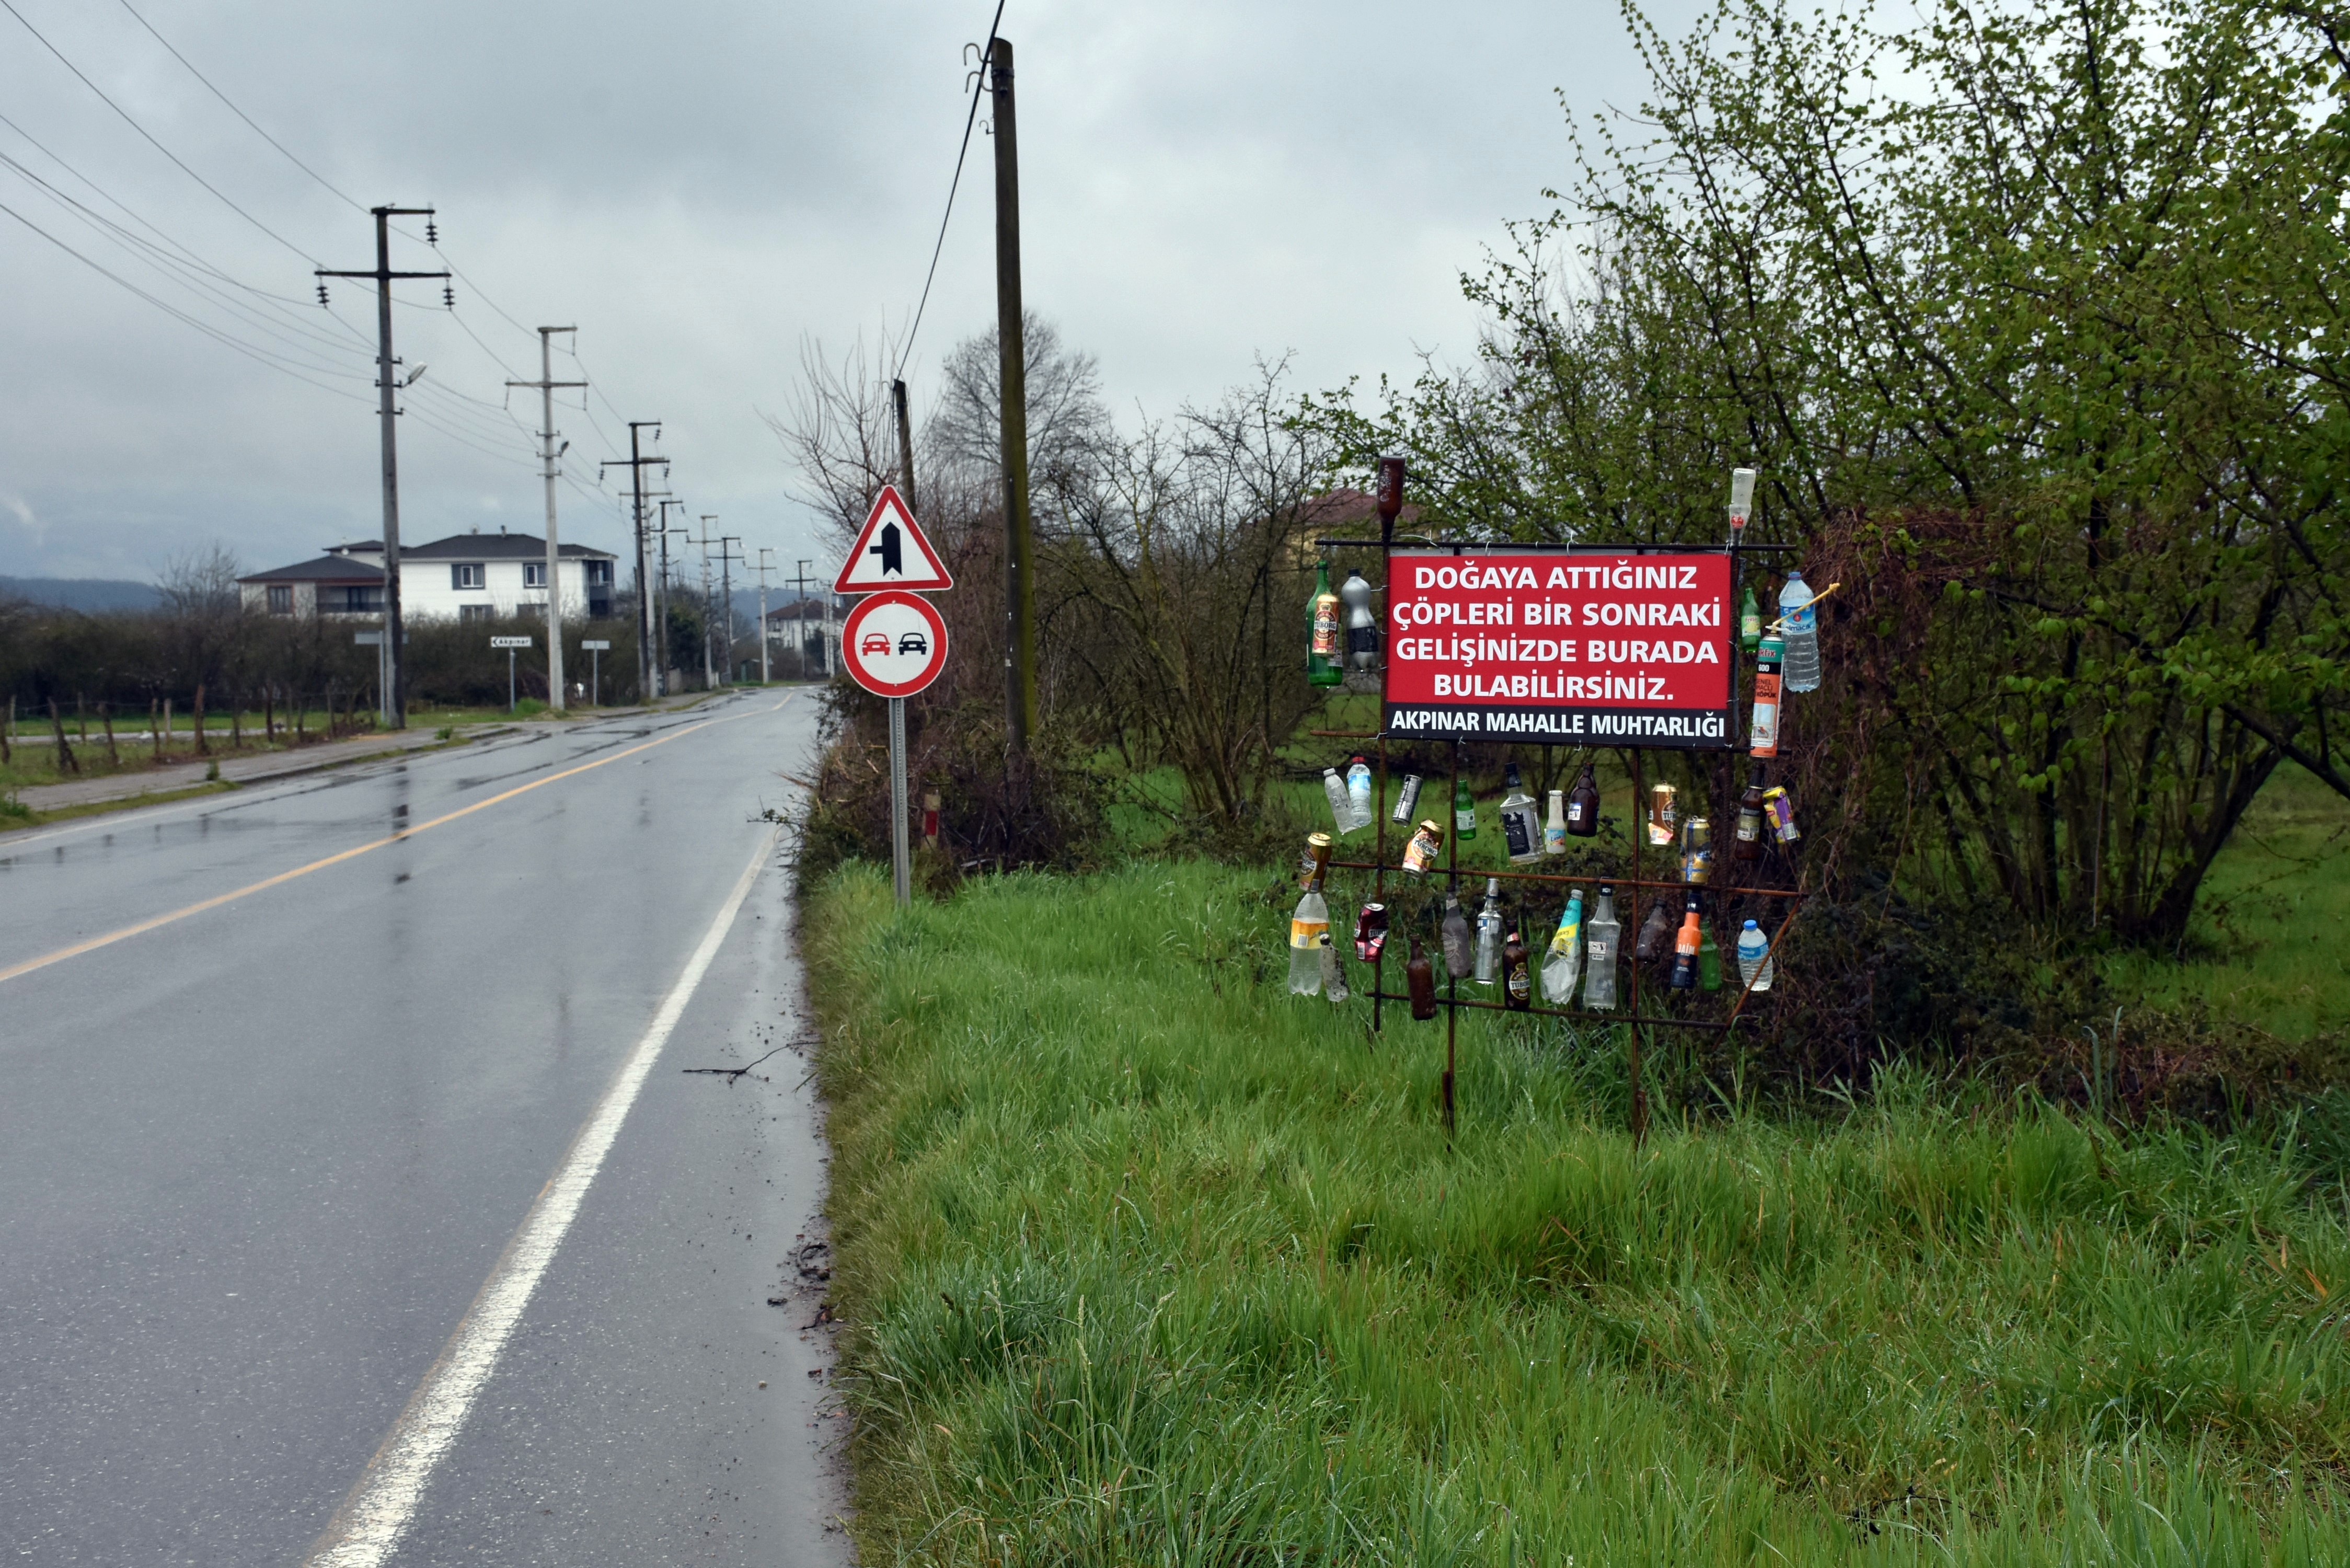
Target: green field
[{"x": 1149, "y": 1261}]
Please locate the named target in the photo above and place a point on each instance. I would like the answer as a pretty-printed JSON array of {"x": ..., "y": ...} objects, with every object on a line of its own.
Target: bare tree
[{"x": 840, "y": 432}]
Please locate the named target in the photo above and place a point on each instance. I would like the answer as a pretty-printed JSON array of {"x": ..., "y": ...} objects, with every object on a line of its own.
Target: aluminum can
[
  {"x": 1664, "y": 819},
  {"x": 1406, "y": 799},
  {"x": 1778, "y": 810},
  {"x": 1370, "y": 932},
  {"x": 1315, "y": 865},
  {"x": 1420, "y": 853},
  {"x": 1697, "y": 851}
]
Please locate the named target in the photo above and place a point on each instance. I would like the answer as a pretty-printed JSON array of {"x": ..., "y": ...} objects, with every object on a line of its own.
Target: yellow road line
[{"x": 143, "y": 927}]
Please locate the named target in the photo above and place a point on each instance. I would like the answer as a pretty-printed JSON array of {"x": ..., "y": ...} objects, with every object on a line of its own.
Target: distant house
[{"x": 465, "y": 576}]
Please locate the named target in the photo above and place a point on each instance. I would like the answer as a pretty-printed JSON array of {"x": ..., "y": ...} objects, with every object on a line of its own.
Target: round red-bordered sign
[{"x": 894, "y": 643}]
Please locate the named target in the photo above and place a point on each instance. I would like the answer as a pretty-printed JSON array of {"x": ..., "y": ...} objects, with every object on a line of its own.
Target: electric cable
[{"x": 978, "y": 88}]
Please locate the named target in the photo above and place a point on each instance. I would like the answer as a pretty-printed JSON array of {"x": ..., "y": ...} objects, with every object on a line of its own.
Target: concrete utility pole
[
  {"x": 709, "y": 665},
  {"x": 726, "y": 559},
  {"x": 636, "y": 463},
  {"x": 547, "y": 383},
  {"x": 766, "y": 676},
  {"x": 395, "y": 658},
  {"x": 799, "y": 587},
  {"x": 1019, "y": 585},
  {"x": 662, "y": 606}
]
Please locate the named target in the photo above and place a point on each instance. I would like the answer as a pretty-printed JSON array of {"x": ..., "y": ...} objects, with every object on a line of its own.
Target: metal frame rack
[{"x": 1450, "y": 998}]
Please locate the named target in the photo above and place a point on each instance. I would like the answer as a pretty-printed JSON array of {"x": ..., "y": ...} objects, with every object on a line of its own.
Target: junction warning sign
[{"x": 1572, "y": 647}]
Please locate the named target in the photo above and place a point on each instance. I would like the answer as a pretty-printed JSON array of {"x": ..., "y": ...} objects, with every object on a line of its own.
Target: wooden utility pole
[
  {"x": 1019, "y": 584},
  {"x": 547, "y": 383},
  {"x": 636, "y": 463},
  {"x": 905, "y": 446},
  {"x": 726, "y": 559},
  {"x": 394, "y": 687}
]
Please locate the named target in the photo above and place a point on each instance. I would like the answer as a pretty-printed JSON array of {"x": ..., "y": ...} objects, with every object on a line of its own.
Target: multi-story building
[{"x": 466, "y": 577}]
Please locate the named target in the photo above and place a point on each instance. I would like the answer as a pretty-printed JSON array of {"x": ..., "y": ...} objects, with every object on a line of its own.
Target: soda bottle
[
  {"x": 1334, "y": 970},
  {"x": 1563, "y": 962},
  {"x": 1342, "y": 810},
  {"x": 1358, "y": 790},
  {"x": 1309, "y": 930},
  {"x": 1489, "y": 933},
  {"x": 1754, "y": 958},
  {"x": 1362, "y": 630},
  {"x": 1742, "y": 499},
  {"x": 1419, "y": 855},
  {"x": 1583, "y": 805},
  {"x": 1464, "y": 811},
  {"x": 1685, "y": 946},
  {"x": 1762, "y": 734},
  {"x": 1750, "y": 820},
  {"x": 1708, "y": 961},
  {"x": 1454, "y": 932},
  {"x": 1799, "y": 630},
  {"x": 1405, "y": 798},
  {"x": 1555, "y": 830},
  {"x": 1521, "y": 829},
  {"x": 1599, "y": 950},
  {"x": 1419, "y": 979},
  {"x": 1517, "y": 973},
  {"x": 1749, "y": 621},
  {"x": 1322, "y": 667}
]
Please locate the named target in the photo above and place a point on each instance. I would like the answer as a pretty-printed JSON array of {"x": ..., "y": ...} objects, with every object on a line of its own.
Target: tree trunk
[
  {"x": 200, "y": 748},
  {"x": 106, "y": 716},
  {"x": 66, "y": 761}
]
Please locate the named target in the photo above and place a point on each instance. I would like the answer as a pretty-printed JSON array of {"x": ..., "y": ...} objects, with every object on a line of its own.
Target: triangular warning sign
[{"x": 891, "y": 553}]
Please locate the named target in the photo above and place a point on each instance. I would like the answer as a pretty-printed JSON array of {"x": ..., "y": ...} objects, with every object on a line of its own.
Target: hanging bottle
[
  {"x": 1563, "y": 964},
  {"x": 1583, "y": 805},
  {"x": 1754, "y": 958},
  {"x": 1453, "y": 930},
  {"x": 1489, "y": 933},
  {"x": 1799, "y": 630},
  {"x": 1709, "y": 959},
  {"x": 1464, "y": 811},
  {"x": 1419, "y": 979},
  {"x": 1555, "y": 830},
  {"x": 1358, "y": 790},
  {"x": 1322, "y": 656},
  {"x": 1521, "y": 829},
  {"x": 1362, "y": 630},
  {"x": 1309, "y": 930},
  {"x": 1749, "y": 621},
  {"x": 1342, "y": 810},
  {"x": 1762, "y": 734},
  {"x": 1599, "y": 954},
  {"x": 1656, "y": 934},
  {"x": 1334, "y": 969},
  {"x": 1517, "y": 972},
  {"x": 1685, "y": 945},
  {"x": 1750, "y": 820}
]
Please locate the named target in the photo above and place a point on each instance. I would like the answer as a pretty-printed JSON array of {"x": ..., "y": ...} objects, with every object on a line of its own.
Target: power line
[
  {"x": 978, "y": 88},
  {"x": 133, "y": 124},
  {"x": 248, "y": 120}
]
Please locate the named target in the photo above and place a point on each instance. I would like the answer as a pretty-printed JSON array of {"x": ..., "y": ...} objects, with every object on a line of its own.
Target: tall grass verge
[{"x": 1148, "y": 1261}]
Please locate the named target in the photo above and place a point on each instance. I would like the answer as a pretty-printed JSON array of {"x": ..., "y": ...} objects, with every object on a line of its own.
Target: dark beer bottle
[
  {"x": 1517, "y": 973},
  {"x": 1583, "y": 805},
  {"x": 1420, "y": 978},
  {"x": 1750, "y": 820}
]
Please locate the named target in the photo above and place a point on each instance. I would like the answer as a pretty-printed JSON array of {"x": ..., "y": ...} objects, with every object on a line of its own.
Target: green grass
[
  {"x": 1149, "y": 1261},
  {"x": 2270, "y": 943}
]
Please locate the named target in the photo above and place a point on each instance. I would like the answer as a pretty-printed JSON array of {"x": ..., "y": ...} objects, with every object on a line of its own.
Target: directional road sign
[
  {"x": 594, "y": 646},
  {"x": 509, "y": 642},
  {"x": 894, "y": 643},
  {"x": 891, "y": 553}
]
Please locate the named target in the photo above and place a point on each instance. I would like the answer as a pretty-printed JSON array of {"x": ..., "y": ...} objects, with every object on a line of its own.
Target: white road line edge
[{"x": 380, "y": 1507}]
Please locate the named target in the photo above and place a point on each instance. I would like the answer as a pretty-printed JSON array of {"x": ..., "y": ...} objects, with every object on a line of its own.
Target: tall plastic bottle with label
[
  {"x": 1762, "y": 734},
  {"x": 1309, "y": 932},
  {"x": 1801, "y": 634},
  {"x": 1563, "y": 965},
  {"x": 1599, "y": 949}
]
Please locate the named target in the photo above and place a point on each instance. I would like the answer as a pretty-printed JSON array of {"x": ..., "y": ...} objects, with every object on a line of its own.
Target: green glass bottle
[
  {"x": 1324, "y": 665},
  {"x": 1709, "y": 959},
  {"x": 1749, "y": 621},
  {"x": 1464, "y": 811}
]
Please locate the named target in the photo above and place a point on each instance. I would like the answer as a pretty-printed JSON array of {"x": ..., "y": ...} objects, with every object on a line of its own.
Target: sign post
[
  {"x": 894, "y": 642},
  {"x": 510, "y": 644},
  {"x": 596, "y": 650}
]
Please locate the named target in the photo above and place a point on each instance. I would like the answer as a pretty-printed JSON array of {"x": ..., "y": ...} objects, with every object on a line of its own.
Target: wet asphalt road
[{"x": 255, "y": 1163}]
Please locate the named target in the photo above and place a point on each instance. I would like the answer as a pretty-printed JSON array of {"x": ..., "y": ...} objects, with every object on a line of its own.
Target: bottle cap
[
  {"x": 1752, "y": 927},
  {"x": 1492, "y": 887}
]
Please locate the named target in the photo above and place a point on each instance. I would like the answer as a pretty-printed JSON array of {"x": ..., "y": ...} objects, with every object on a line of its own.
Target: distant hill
[{"x": 83, "y": 593}]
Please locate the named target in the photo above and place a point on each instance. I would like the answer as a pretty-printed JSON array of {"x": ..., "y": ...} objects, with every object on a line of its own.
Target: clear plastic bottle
[
  {"x": 1358, "y": 790},
  {"x": 1800, "y": 632},
  {"x": 1563, "y": 965},
  {"x": 1334, "y": 969},
  {"x": 1489, "y": 933},
  {"x": 1602, "y": 934},
  {"x": 1454, "y": 933},
  {"x": 1754, "y": 958},
  {"x": 1342, "y": 810},
  {"x": 1309, "y": 930},
  {"x": 1521, "y": 826}
]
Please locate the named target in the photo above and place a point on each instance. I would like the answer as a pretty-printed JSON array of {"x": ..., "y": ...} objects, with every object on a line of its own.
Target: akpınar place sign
[{"x": 1579, "y": 647}]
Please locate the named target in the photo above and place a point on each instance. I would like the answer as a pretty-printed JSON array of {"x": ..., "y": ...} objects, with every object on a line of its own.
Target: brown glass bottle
[
  {"x": 1583, "y": 805},
  {"x": 1517, "y": 973},
  {"x": 1750, "y": 820},
  {"x": 1419, "y": 977}
]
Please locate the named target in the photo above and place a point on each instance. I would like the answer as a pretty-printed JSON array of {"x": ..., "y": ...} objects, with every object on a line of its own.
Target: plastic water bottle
[
  {"x": 1358, "y": 791},
  {"x": 1342, "y": 809},
  {"x": 1599, "y": 945},
  {"x": 1489, "y": 933},
  {"x": 1755, "y": 958},
  {"x": 1454, "y": 933},
  {"x": 1309, "y": 933},
  {"x": 1800, "y": 634},
  {"x": 1564, "y": 963}
]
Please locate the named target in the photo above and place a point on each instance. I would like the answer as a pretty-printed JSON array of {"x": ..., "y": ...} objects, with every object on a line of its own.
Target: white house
[{"x": 466, "y": 577}]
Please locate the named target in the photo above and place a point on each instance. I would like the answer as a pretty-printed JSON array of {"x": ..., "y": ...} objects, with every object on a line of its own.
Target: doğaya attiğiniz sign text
[{"x": 1577, "y": 649}]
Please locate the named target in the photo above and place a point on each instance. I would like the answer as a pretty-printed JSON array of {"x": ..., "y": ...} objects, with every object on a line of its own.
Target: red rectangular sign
[{"x": 1575, "y": 647}]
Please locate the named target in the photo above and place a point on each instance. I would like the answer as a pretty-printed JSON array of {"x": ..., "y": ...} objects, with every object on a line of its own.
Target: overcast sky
[{"x": 700, "y": 187}]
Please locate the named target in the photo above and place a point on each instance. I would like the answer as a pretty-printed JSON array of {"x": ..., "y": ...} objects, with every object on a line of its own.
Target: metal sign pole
[
  {"x": 510, "y": 679},
  {"x": 902, "y": 862}
]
